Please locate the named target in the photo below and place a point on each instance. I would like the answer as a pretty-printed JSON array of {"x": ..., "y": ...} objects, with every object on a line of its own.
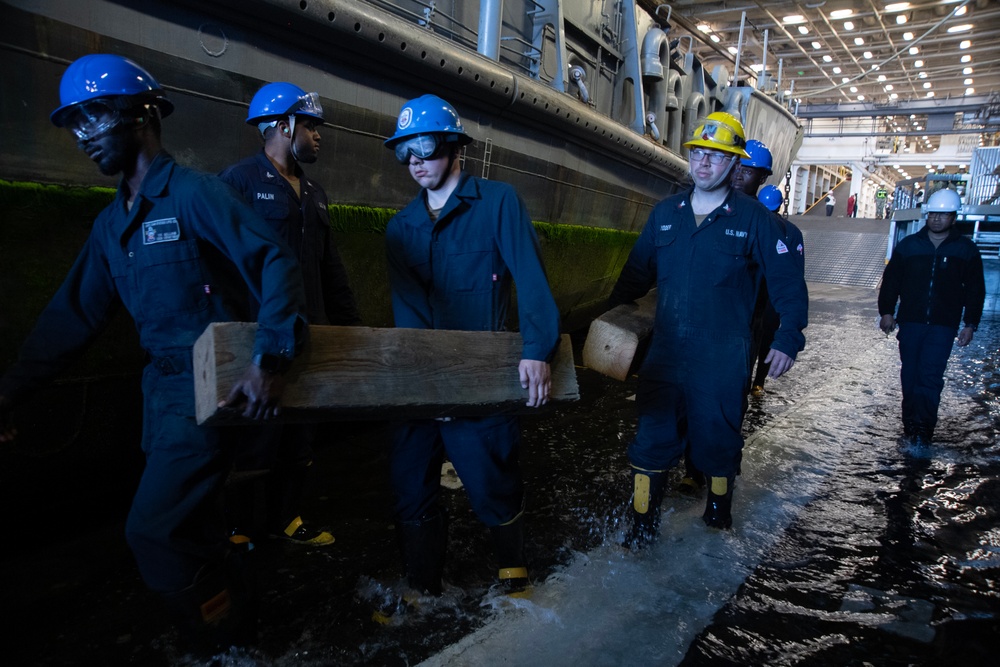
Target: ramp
[{"x": 844, "y": 251}]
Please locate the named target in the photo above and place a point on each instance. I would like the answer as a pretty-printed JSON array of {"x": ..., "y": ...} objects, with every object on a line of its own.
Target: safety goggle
[
  {"x": 720, "y": 133},
  {"x": 308, "y": 104},
  {"x": 90, "y": 120},
  {"x": 421, "y": 146}
]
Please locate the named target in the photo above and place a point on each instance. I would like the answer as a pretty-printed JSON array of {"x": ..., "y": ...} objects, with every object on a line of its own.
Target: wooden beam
[
  {"x": 371, "y": 373},
  {"x": 617, "y": 339}
]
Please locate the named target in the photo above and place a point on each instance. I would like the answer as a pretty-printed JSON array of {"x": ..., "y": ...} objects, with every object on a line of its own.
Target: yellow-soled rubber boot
[
  {"x": 508, "y": 541},
  {"x": 297, "y": 531}
]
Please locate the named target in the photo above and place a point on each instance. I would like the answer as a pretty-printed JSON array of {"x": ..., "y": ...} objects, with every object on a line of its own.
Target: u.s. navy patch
[
  {"x": 781, "y": 247},
  {"x": 160, "y": 231}
]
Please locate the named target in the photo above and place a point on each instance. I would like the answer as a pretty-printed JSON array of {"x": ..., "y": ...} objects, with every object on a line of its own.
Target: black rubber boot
[
  {"x": 693, "y": 481},
  {"x": 423, "y": 544},
  {"x": 508, "y": 541},
  {"x": 719, "y": 506},
  {"x": 219, "y": 609},
  {"x": 647, "y": 494}
]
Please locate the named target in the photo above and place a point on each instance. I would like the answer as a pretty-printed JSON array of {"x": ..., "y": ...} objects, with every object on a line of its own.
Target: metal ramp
[{"x": 843, "y": 251}]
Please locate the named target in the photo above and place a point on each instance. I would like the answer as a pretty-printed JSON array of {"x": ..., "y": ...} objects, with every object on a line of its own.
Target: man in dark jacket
[
  {"x": 453, "y": 254},
  {"x": 704, "y": 249},
  {"x": 272, "y": 181},
  {"x": 180, "y": 250},
  {"x": 934, "y": 275}
]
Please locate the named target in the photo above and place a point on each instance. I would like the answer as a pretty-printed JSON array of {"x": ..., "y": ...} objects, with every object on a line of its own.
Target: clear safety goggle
[
  {"x": 421, "y": 146},
  {"x": 720, "y": 133},
  {"x": 308, "y": 104},
  {"x": 90, "y": 120}
]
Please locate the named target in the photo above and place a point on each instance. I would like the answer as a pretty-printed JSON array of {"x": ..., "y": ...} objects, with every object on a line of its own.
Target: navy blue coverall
[
  {"x": 693, "y": 382},
  {"x": 769, "y": 320},
  {"x": 456, "y": 273},
  {"x": 303, "y": 220},
  {"x": 932, "y": 286},
  {"x": 180, "y": 259}
]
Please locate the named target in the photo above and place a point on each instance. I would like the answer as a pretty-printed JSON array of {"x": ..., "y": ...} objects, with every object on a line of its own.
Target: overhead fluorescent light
[
  {"x": 967, "y": 82},
  {"x": 966, "y": 71},
  {"x": 715, "y": 38},
  {"x": 918, "y": 63},
  {"x": 841, "y": 13},
  {"x": 907, "y": 36},
  {"x": 828, "y": 59},
  {"x": 861, "y": 98},
  {"x": 914, "y": 50},
  {"x": 845, "y": 80},
  {"x": 897, "y": 7},
  {"x": 965, "y": 27},
  {"x": 927, "y": 84},
  {"x": 705, "y": 28},
  {"x": 881, "y": 78},
  {"x": 964, "y": 44},
  {"x": 868, "y": 55},
  {"x": 966, "y": 58},
  {"x": 970, "y": 91},
  {"x": 803, "y": 30},
  {"x": 817, "y": 45},
  {"x": 792, "y": 19},
  {"x": 848, "y": 25},
  {"x": 859, "y": 41},
  {"x": 836, "y": 70},
  {"x": 854, "y": 89}
]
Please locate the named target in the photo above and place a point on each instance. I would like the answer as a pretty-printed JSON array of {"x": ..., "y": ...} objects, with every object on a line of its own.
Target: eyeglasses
[
  {"x": 91, "y": 119},
  {"x": 699, "y": 154},
  {"x": 421, "y": 146}
]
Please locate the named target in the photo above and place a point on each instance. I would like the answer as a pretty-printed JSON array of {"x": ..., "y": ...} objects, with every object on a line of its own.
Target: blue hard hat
[
  {"x": 759, "y": 156},
  {"x": 770, "y": 196},
  {"x": 280, "y": 100},
  {"x": 428, "y": 114},
  {"x": 103, "y": 76}
]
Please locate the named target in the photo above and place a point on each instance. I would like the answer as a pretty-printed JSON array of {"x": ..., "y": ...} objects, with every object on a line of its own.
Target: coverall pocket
[
  {"x": 728, "y": 264},
  {"x": 171, "y": 279},
  {"x": 470, "y": 272}
]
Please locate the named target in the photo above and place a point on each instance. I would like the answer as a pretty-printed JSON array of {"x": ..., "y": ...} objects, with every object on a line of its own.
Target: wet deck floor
[{"x": 848, "y": 549}]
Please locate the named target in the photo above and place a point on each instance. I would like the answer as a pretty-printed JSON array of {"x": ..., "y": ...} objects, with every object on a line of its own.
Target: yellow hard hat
[{"x": 721, "y": 131}]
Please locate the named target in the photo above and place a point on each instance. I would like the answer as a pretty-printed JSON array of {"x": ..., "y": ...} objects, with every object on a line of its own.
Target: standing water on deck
[{"x": 848, "y": 546}]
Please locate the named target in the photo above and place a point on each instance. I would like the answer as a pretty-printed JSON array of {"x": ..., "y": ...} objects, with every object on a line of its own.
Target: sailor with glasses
[
  {"x": 454, "y": 253},
  {"x": 704, "y": 250}
]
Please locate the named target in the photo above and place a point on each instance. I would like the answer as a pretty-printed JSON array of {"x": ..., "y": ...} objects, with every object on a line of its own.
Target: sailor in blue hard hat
[
  {"x": 273, "y": 182},
  {"x": 179, "y": 251},
  {"x": 752, "y": 171},
  {"x": 454, "y": 253}
]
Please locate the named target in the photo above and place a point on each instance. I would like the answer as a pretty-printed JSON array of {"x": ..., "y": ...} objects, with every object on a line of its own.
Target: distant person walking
[
  {"x": 852, "y": 207},
  {"x": 830, "y": 201},
  {"x": 934, "y": 275}
]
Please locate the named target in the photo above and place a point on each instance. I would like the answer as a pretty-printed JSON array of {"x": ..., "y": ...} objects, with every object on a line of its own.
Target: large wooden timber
[
  {"x": 617, "y": 339},
  {"x": 372, "y": 373}
]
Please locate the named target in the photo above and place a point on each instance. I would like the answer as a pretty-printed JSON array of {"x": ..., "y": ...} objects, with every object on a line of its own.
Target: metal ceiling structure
[{"x": 904, "y": 64}]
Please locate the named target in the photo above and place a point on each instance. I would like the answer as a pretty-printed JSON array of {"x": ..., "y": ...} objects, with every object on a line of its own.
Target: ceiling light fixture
[
  {"x": 966, "y": 71},
  {"x": 868, "y": 56},
  {"x": 792, "y": 19},
  {"x": 964, "y": 44},
  {"x": 828, "y": 59},
  {"x": 848, "y": 25},
  {"x": 970, "y": 91},
  {"x": 914, "y": 50},
  {"x": 841, "y": 13},
  {"x": 803, "y": 30},
  {"x": 967, "y": 82},
  {"x": 900, "y": 19},
  {"x": 836, "y": 70},
  {"x": 907, "y": 36},
  {"x": 817, "y": 45},
  {"x": 859, "y": 41},
  {"x": 715, "y": 38},
  {"x": 966, "y": 58},
  {"x": 965, "y": 27},
  {"x": 918, "y": 63},
  {"x": 897, "y": 7},
  {"x": 881, "y": 78},
  {"x": 705, "y": 28}
]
